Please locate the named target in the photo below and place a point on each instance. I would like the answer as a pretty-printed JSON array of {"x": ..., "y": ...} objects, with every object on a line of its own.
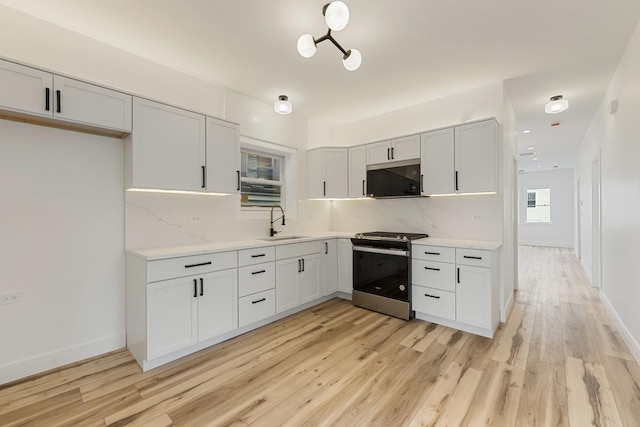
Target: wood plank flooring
[{"x": 558, "y": 361}]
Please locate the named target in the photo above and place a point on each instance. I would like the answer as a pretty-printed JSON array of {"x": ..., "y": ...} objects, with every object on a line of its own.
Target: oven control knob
[{"x": 403, "y": 288}]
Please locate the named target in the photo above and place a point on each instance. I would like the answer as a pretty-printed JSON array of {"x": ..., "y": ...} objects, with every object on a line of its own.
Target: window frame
[
  {"x": 288, "y": 173},
  {"x": 281, "y": 182}
]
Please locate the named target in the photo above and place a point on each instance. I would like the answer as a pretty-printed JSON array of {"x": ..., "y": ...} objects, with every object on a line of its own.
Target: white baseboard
[
  {"x": 546, "y": 244},
  {"x": 634, "y": 348},
  {"x": 587, "y": 271},
  {"x": 58, "y": 358}
]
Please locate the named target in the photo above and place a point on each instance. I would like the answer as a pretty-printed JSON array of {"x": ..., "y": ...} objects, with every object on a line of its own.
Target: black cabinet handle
[
  {"x": 259, "y": 272},
  {"x": 326, "y": 248},
  {"x": 195, "y": 288},
  {"x": 201, "y": 287},
  {"x": 204, "y": 176},
  {"x": 258, "y": 255},
  {"x": 302, "y": 264},
  {"x": 58, "y": 107},
  {"x": 432, "y": 253},
  {"x": 324, "y": 188},
  {"x": 458, "y": 276},
  {"x": 431, "y": 268},
  {"x": 238, "y": 172},
  {"x": 363, "y": 187},
  {"x": 457, "y": 181},
  {"x": 472, "y": 257},
  {"x": 197, "y": 265},
  {"x": 388, "y": 153},
  {"x": 257, "y": 301},
  {"x": 299, "y": 265},
  {"x": 392, "y": 156},
  {"x": 432, "y": 296},
  {"x": 421, "y": 183},
  {"x": 47, "y": 92}
]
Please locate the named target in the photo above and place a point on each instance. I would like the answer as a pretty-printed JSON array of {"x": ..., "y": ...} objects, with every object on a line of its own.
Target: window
[
  {"x": 261, "y": 180},
  {"x": 539, "y": 205}
]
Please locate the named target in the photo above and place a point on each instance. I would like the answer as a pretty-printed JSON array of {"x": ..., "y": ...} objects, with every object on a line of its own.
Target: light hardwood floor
[{"x": 558, "y": 360}]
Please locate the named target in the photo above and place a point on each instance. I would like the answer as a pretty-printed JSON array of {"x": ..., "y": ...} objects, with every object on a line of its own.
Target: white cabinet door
[
  {"x": 437, "y": 162},
  {"x": 378, "y": 152},
  {"x": 345, "y": 266},
  {"x": 92, "y": 105},
  {"x": 223, "y": 156},
  {"x": 288, "y": 284},
  {"x": 473, "y": 296},
  {"x": 217, "y": 303},
  {"x": 310, "y": 278},
  {"x": 476, "y": 157},
  {"x": 330, "y": 267},
  {"x": 328, "y": 173},
  {"x": 166, "y": 147},
  {"x": 25, "y": 90},
  {"x": 405, "y": 148},
  {"x": 172, "y": 316},
  {"x": 358, "y": 171}
]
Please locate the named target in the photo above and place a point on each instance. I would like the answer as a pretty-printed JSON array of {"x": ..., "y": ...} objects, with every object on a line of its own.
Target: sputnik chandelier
[{"x": 336, "y": 15}]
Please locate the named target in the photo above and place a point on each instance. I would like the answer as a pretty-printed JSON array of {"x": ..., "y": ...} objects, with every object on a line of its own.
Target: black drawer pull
[
  {"x": 431, "y": 268},
  {"x": 47, "y": 107},
  {"x": 258, "y": 256},
  {"x": 260, "y": 300},
  {"x": 198, "y": 265},
  {"x": 432, "y": 296},
  {"x": 201, "y": 287},
  {"x": 195, "y": 288},
  {"x": 258, "y": 272},
  {"x": 58, "y": 106},
  {"x": 472, "y": 257},
  {"x": 432, "y": 253}
]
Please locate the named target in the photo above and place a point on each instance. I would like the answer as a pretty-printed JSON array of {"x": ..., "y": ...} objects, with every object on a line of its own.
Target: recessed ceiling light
[
  {"x": 526, "y": 131},
  {"x": 556, "y": 105},
  {"x": 538, "y": 166},
  {"x": 531, "y": 148},
  {"x": 535, "y": 158}
]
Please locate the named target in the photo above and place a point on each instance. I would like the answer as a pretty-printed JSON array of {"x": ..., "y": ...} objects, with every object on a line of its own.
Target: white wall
[
  {"x": 616, "y": 136},
  {"x": 61, "y": 246},
  {"x": 560, "y": 233}
]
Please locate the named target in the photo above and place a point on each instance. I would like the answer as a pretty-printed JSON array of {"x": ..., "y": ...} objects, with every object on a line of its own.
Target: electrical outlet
[
  {"x": 477, "y": 217},
  {"x": 195, "y": 218},
  {"x": 11, "y": 298}
]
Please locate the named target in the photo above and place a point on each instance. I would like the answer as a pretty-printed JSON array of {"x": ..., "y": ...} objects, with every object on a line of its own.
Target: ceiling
[{"x": 413, "y": 51}]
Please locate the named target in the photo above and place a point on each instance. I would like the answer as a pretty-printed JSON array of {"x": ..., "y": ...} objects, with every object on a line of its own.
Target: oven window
[{"x": 381, "y": 274}]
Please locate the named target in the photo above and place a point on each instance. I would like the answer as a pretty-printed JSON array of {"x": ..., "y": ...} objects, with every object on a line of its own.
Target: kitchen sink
[{"x": 276, "y": 238}]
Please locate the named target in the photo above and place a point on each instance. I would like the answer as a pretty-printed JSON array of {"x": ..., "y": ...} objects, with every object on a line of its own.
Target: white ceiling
[{"x": 413, "y": 51}]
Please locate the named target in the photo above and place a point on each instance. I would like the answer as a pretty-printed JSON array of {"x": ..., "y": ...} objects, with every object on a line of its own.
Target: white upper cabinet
[
  {"x": 476, "y": 157},
  {"x": 437, "y": 164},
  {"x": 26, "y": 90},
  {"x": 358, "y": 171},
  {"x": 461, "y": 159},
  {"x": 397, "y": 149},
  {"x": 223, "y": 156},
  {"x": 166, "y": 149},
  {"x": 328, "y": 173}
]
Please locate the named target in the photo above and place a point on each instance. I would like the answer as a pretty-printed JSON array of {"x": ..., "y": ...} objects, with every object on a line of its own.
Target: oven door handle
[{"x": 396, "y": 252}]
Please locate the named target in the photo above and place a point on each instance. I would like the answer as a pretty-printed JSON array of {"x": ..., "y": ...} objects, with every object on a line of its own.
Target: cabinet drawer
[
  {"x": 434, "y": 253},
  {"x": 256, "y": 255},
  {"x": 475, "y": 257},
  {"x": 256, "y": 307},
  {"x": 298, "y": 249},
  {"x": 434, "y": 302},
  {"x": 184, "y": 266},
  {"x": 439, "y": 275},
  {"x": 256, "y": 278}
]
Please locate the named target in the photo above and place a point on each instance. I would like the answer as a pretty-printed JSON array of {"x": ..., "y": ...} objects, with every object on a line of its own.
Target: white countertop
[
  {"x": 151, "y": 254},
  {"x": 489, "y": 245}
]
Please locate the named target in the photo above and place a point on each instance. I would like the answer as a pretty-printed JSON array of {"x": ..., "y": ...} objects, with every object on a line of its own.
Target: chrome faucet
[{"x": 273, "y": 232}]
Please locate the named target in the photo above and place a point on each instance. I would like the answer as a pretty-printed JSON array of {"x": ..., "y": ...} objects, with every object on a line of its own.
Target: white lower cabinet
[
  {"x": 329, "y": 267},
  {"x": 345, "y": 266},
  {"x": 256, "y": 285},
  {"x": 456, "y": 287},
  {"x": 256, "y": 307},
  {"x": 297, "y": 274},
  {"x": 185, "y": 311}
]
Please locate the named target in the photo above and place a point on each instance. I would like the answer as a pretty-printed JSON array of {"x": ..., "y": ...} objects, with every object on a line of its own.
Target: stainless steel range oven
[{"x": 382, "y": 272}]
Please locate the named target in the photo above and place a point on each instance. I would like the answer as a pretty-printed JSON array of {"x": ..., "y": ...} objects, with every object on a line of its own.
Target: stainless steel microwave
[{"x": 394, "y": 179}]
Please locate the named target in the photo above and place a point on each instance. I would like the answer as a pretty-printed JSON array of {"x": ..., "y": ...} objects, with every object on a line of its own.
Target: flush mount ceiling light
[
  {"x": 282, "y": 105},
  {"x": 556, "y": 105},
  {"x": 336, "y": 16}
]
